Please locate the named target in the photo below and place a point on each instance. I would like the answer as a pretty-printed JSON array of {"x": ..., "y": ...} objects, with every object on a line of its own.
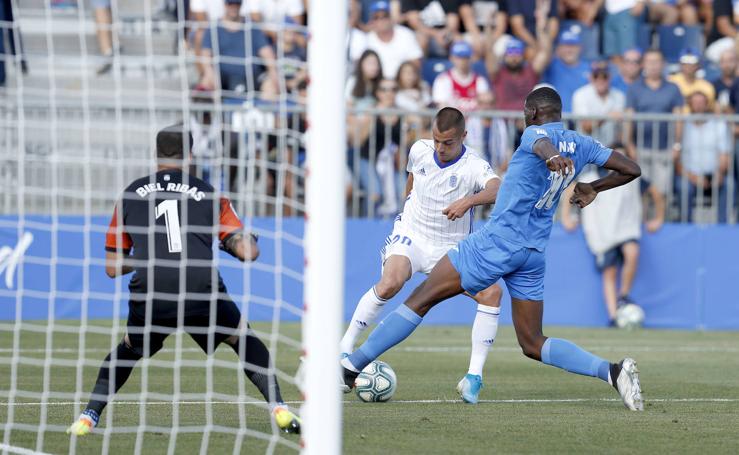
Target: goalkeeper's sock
[
  {"x": 124, "y": 358},
  {"x": 392, "y": 330},
  {"x": 368, "y": 308},
  {"x": 256, "y": 355}
]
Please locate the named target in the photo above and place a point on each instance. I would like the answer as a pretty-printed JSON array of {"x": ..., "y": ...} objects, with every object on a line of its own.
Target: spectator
[
  {"x": 687, "y": 79},
  {"x": 499, "y": 149},
  {"x": 727, "y": 84},
  {"x": 703, "y": 162},
  {"x": 620, "y": 27},
  {"x": 671, "y": 12},
  {"x": 365, "y": 13},
  {"x": 292, "y": 55},
  {"x": 723, "y": 29},
  {"x": 4, "y": 31},
  {"x": 375, "y": 137},
  {"x": 583, "y": 11},
  {"x": 362, "y": 85},
  {"x": 413, "y": 92},
  {"x": 104, "y": 33},
  {"x": 204, "y": 14},
  {"x": 469, "y": 24},
  {"x": 206, "y": 130},
  {"x": 492, "y": 14},
  {"x": 598, "y": 99},
  {"x": 612, "y": 227},
  {"x": 229, "y": 44},
  {"x": 567, "y": 72},
  {"x": 394, "y": 44},
  {"x": 629, "y": 69},
  {"x": 273, "y": 13},
  {"x": 436, "y": 23},
  {"x": 8, "y": 41},
  {"x": 654, "y": 94},
  {"x": 516, "y": 77},
  {"x": 357, "y": 37},
  {"x": 523, "y": 21},
  {"x": 463, "y": 88}
]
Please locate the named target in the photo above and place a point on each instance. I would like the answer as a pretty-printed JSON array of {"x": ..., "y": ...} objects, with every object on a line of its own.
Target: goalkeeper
[{"x": 168, "y": 221}]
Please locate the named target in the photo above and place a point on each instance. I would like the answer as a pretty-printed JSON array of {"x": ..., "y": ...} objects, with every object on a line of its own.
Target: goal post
[{"x": 324, "y": 227}]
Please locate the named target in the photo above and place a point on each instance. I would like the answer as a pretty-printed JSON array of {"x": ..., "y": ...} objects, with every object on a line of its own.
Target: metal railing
[{"x": 77, "y": 158}]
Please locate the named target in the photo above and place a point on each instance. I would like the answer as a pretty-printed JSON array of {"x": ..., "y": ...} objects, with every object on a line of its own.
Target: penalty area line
[
  {"x": 19, "y": 450},
  {"x": 436, "y": 401}
]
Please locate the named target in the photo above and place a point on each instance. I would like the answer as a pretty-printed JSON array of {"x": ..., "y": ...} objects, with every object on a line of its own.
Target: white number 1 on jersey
[{"x": 170, "y": 211}]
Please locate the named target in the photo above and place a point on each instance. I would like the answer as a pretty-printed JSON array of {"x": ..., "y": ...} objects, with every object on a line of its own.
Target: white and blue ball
[
  {"x": 630, "y": 316},
  {"x": 376, "y": 383}
]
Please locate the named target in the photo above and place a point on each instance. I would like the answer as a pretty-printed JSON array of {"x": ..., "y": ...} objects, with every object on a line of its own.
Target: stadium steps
[
  {"x": 54, "y": 41},
  {"x": 125, "y": 8}
]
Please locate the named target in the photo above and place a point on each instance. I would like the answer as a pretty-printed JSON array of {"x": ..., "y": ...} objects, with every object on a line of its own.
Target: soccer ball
[
  {"x": 629, "y": 316},
  {"x": 377, "y": 382}
]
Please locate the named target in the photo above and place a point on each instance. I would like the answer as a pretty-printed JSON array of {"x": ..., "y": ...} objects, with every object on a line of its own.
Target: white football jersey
[{"x": 436, "y": 186}]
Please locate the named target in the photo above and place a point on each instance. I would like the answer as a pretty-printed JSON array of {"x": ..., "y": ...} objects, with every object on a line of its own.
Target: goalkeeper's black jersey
[{"x": 170, "y": 220}]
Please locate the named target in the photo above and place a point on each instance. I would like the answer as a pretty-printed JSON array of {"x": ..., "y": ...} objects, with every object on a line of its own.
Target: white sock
[
  {"x": 484, "y": 330},
  {"x": 367, "y": 310}
]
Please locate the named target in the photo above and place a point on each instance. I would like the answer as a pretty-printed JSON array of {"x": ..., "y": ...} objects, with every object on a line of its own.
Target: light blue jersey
[
  {"x": 511, "y": 245},
  {"x": 528, "y": 197}
]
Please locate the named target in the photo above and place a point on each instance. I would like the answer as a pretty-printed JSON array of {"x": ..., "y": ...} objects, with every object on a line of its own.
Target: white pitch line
[
  {"x": 20, "y": 450},
  {"x": 446, "y": 401},
  {"x": 431, "y": 349}
]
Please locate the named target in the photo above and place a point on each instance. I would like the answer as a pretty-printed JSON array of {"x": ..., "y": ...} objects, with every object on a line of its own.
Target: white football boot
[{"x": 627, "y": 384}]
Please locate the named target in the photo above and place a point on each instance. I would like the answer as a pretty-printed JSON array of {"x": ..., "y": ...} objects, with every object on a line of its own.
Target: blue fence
[{"x": 684, "y": 279}]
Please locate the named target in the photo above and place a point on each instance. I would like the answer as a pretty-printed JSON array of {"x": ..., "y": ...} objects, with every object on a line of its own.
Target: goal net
[{"x": 87, "y": 87}]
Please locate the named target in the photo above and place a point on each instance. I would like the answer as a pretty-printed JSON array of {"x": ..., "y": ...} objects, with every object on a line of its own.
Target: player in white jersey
[{"x": 446, "y": 180}]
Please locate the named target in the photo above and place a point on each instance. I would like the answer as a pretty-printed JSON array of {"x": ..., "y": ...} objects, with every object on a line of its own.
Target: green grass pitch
[{"x": 689, "y": 380}]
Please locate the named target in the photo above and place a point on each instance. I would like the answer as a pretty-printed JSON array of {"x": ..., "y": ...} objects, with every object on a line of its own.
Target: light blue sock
[
  {"x": 571, "y": 357},
  {"x": 392, "y": 330}
]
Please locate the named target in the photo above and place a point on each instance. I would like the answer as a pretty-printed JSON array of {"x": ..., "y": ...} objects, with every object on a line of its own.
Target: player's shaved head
[
  {"x": 543, "y": 105},
  {"x": 173, "y": 142},
  {"x": 449, "y": 118},
  {"x": 449, "y": 133}
]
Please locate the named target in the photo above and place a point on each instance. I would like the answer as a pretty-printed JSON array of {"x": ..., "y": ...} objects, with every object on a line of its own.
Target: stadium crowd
[{"x": 617, "y": 64}]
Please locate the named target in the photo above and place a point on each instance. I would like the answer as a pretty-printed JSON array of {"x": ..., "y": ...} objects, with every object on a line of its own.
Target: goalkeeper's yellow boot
[
  {"x": 285, "y": 419},
  {"x": 85, "y": 423}
]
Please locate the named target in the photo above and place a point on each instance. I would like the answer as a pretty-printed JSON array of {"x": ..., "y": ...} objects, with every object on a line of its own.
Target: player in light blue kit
[{"x": 511, "y": 246}]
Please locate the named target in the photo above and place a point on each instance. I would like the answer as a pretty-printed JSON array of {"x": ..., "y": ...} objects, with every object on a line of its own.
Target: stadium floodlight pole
[{"x": 324, "y": 228}]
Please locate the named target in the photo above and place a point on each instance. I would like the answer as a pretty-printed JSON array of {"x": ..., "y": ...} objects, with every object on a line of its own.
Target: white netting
[{"x": 74, "y": 132}]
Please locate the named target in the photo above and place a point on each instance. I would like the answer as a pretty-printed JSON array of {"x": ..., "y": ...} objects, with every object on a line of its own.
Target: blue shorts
[{"x": 482, "y": 259}]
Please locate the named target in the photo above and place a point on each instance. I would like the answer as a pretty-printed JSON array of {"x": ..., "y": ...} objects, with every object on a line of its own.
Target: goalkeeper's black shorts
[{"x": 206, "y": 333}]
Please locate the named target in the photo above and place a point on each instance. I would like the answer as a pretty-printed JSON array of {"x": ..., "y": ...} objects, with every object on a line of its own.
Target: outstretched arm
[
  {"x": 459, "y": 207},
  {"x": 625, "y": 170}
]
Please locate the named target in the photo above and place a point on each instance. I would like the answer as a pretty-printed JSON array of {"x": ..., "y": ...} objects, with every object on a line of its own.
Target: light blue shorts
[{"x": 482, "y": 259}]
